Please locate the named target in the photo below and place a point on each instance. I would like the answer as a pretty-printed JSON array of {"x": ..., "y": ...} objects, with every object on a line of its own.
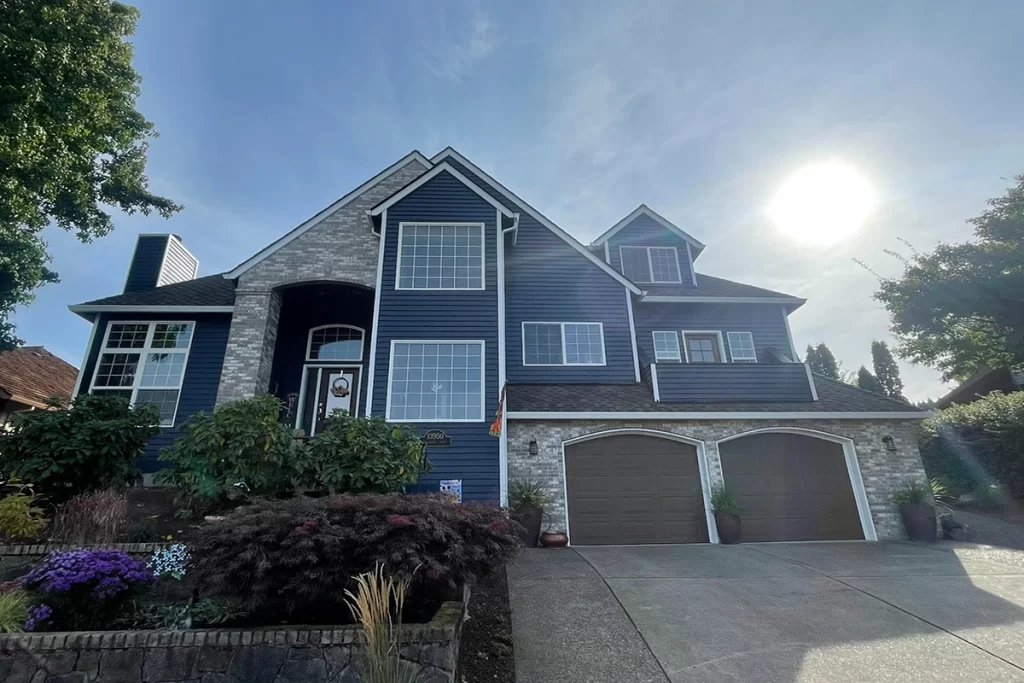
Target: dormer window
[{"x": 655, "y": 265}]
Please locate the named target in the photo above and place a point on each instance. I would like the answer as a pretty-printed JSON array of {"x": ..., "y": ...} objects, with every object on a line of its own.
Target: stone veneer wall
[
  {"x": 883, "y": 471},
  {"x": 340, "y": 248},
  {"x": 271, "y": 655}
]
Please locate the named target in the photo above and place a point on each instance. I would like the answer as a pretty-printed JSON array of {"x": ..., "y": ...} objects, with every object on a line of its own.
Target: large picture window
[
  {"x": 657, "y": 265},
  {"x": 436, "y": 381},
  {"x": 440, "y": 256},
  {"x": 563, "y": 344},
  {"x": 145, "y": 363}
]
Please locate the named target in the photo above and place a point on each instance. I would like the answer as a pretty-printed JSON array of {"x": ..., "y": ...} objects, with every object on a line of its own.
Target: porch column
[{"x": 250, "y": 350}]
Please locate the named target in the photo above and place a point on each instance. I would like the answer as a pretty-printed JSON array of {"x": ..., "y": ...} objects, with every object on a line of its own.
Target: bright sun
[{"x": 822, "y": 203}]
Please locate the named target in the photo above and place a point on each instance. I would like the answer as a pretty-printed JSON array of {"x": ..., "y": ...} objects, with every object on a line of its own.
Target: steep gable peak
[{"x": 696, "y": 246}]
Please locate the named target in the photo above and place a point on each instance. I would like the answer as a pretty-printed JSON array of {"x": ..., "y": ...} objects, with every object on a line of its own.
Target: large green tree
[
  {"x": 72, "y": 144},
  {"x": 822, "y": 361},
  {"x": 961, "y": 307},
  {"x": 865, "y": 380},
  {"x": 887, "y": 373}
]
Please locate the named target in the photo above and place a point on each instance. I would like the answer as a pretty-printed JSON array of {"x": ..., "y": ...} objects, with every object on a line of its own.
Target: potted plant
[
  {"x": 527, "y": 500},
  {"x": 727, "y": 514},
  {"x": 916, "y": 511}
]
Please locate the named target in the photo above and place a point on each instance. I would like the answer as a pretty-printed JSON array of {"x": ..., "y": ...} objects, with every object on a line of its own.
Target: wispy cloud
[{"x": 452, "y": 53}]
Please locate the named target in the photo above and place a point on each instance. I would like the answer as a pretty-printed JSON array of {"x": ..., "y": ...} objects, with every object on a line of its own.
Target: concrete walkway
[{"x": 769, "y": 612}]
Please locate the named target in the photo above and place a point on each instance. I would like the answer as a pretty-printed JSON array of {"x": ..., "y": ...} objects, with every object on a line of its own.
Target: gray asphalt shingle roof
[
  {"x": 211, "y": 290},
  {"x": 708, "y": 285},
  {"x": 833, "y": 397}
]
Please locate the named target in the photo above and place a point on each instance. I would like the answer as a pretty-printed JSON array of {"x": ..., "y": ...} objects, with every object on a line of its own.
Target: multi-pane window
[
  {"x": 666, "y": 345},
  {"x": 657, "y": 265},
  {"x": 145, "y": 363},
  {"x": 563, "y": 344},
  {"x": 436, "y": 381},
  {"x": 335, "y": 342},
  {"x": 741, "y": 347},
  {"x": 440, "y": 256},
  {"x": 702, "y": 347}
]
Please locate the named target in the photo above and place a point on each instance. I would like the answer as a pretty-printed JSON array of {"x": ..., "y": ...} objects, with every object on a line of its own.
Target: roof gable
[
  {"x": 515, "y": 200},
  {"x": 430, "y": 175},
  {"x": 643, "y": 210}
]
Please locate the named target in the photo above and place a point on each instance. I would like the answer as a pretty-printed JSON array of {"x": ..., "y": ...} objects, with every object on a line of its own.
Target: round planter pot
[
  {"x": 919, "y": 521},
  {"x": 530, "y": 518},
  {"x": 728, "y": 527},
  {"x": 554, "y": 539}
]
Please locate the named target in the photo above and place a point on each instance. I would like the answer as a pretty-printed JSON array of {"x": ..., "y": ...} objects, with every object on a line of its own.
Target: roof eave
[
  {"x": 793, "y": 301},
  {"x": 643, "y": 209}
]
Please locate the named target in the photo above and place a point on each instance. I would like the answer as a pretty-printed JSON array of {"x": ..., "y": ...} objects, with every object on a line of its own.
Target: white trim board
[
  {"x": 789, "y": 300},
  {"x": 643, "y": 209},
  {"x": 537, "y": 215},
  {"x": 722, "y": 415},
  {"x": 502, "y": 370},
  {"x": 852, "y": 467},
  {"x": 430, "y": 175},
  {"x": 109, "y": 308},
  {"x": 314, "y": 220},
  {"x": 371, "y": 370}
]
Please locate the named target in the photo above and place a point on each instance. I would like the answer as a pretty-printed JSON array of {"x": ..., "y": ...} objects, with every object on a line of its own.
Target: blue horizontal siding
[
  {"x": 765, "y": 322},
  {"x": 644, "y": 231},
  {"x": 146, "y": 261},
  {"x": 724, "y": 383},
  {"x": 202, "y": 374},
  {"x": 471, "y": 315}
]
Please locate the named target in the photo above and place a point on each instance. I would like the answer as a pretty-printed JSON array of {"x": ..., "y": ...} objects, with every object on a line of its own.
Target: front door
[{"x": 335, "y": 389}]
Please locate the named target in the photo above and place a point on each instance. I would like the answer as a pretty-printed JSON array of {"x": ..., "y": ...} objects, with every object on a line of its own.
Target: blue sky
[{"x": 269, "y": 111}]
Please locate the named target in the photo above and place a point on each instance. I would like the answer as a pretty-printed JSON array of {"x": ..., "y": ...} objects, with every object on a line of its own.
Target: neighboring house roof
[
  {"x": 31, "y": 375},
  {"x": 697, "y": 245},
  {"x": 716, "y": 287},
  {"x": 212, "y": 291},
  {"x": 983, "y": 382},
  {"x": 833, "y": 397}
]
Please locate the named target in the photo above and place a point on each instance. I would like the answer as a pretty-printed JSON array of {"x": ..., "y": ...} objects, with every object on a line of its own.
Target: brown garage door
[
  {"x": 634, "y": 488},
  {"x": 791, "y": 487}
]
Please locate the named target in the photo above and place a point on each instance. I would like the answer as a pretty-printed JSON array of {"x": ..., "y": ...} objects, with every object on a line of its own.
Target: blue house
[{"x": 625, "y": 381}]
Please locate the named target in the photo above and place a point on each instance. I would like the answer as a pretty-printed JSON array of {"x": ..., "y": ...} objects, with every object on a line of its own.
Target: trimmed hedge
[{"x": 980, "y": 442}]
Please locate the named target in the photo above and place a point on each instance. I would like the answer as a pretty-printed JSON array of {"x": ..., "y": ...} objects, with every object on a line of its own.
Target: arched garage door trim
[
  {"x": 702, "y": 465},
  {"x": 852, "y": 467}
]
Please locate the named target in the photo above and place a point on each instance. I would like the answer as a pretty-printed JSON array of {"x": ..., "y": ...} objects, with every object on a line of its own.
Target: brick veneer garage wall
[{"x": 882, "y": 470}]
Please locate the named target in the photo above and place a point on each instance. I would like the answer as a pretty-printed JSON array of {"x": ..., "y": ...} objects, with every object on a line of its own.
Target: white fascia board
[
  {"x": 426, "y": 177},
  {"x": 537, "y": 215},
  {"x": 100, "y": 308},
  {"x": 306, "y": 225},
  {"x": 789, "y": 301},
  {"x": 655, "y": 415},
  {"x": 658, "y": 218}
]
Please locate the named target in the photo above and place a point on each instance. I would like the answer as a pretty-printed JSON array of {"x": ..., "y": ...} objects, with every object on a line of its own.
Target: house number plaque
[{"x": 436, "y": 437}]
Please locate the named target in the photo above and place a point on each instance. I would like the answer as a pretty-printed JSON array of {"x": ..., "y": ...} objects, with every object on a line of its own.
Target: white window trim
[
  {"x": 483, "y": 379},
  {"x": 732, "y": 351},
  {"x": 721, "y": 344},
  {"x": 679, "y": 354},
  {"x": 147, "y": 348},
  {"x": 650, "y": 264},
  {"x": 309, "y": 344},
  {"x": 563, "y": 364},
  {"x": 418, "y": 224}
]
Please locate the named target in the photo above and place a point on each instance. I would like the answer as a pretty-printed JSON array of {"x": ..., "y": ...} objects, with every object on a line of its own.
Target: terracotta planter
[
  {"x": 554, "y": 539},
  {"x": 728, "y": 527},
  {"x": 919, "y": 521},
  {"x": 530, "y": 518}
]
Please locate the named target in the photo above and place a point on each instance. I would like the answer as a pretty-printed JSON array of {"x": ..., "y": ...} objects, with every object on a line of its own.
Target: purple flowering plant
[{"x": 86, "y": 588}]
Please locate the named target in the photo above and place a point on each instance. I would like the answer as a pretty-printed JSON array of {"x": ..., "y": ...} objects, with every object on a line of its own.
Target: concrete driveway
[{"x": 769, "y": 612}]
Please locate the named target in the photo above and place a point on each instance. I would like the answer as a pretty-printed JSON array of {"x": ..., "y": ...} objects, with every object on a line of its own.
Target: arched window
[{"x": 335, "y": 342}]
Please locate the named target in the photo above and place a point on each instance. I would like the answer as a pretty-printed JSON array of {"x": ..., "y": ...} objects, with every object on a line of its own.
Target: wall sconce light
[
  {"x": 534, "y": 449},
  {"x": 890, "y": 444}
]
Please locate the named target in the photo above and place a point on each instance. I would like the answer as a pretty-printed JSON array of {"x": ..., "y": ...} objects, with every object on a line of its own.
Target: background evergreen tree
[
  {"x": 886, "y": 371},
  {"x": 822, "y": 362},
  {"x": 865, "y": 380}
]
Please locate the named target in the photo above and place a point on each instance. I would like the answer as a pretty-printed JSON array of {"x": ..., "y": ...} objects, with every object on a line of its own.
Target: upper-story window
[
  {"x": 741, "y": 347},
  {"x": 666, "y": 345},
  {"x": 563, "y": 344},
  {"x": 703, "y": 347},
  {"x": 657, "y": 265},
  {"x": 440, "y": 256},
  {"x": 145, "y": 363},
  {"x": 335, "y": 342}
]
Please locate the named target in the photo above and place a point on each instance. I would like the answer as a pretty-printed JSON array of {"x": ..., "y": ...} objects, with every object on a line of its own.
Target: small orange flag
[{"x": 496, "y": 425}]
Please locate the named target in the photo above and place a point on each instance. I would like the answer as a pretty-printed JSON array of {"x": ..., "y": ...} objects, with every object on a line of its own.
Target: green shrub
[
  {"x": 292, "y": 560},
  {"x": 526, "y": 493},
  {"x": 976, "y": 443},
  {"x": 724, "y": 500},
  {"x": 91, "y": 446},
  {"x": 14, "y": 606},
  {"x": 240, "y": 450},
  {"x": 913, "y": 492},
  {"x": 20, "y": 516},
  {"x": 988, "y": 497},
  {"x": 92, "y": 519},
  {"x": 363, "y": 455}
]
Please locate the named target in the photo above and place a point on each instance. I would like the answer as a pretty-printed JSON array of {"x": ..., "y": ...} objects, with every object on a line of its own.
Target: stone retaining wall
[{"x": 267, "y": 655}]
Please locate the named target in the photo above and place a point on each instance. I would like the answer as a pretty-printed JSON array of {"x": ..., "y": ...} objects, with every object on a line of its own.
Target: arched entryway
[
  {"x": 635, "y": 486},
  {"x": 796, "y": 485}
]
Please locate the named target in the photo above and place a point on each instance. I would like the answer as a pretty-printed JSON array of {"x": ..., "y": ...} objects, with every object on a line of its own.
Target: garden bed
[
  {"x": 486, "y": 653},
  {"x": 262, "y": 655}
]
